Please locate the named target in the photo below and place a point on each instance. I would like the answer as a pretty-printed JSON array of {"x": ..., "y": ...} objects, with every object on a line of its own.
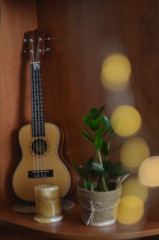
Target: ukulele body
[{"x": 41, "y": 167}]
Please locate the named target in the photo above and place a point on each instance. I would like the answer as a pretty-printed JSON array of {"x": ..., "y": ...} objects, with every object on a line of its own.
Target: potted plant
[{"x": 99, "y": 180}]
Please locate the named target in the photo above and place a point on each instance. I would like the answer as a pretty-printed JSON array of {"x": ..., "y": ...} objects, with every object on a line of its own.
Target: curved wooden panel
[{"x": 16, "y": 17}]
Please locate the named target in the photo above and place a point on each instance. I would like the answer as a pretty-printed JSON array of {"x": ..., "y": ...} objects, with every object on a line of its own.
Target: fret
[{"x": 38, "y": 124}]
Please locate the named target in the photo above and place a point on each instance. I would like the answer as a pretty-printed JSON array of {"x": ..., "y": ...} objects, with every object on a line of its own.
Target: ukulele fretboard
[{"x": 38, "y": 127}]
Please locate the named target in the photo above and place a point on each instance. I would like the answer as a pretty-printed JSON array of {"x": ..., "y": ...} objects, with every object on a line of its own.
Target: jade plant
[{"x": 99, "y": 173}]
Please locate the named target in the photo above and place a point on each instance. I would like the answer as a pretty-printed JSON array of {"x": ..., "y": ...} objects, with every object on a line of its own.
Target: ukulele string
[
  {"x": 38, "y": 107},
  {"x": 40, "y": 113},
  {"x": 33, "y": 104},
  {"x": 34, "y": 112},
  {"x": 38, "y": 146}
]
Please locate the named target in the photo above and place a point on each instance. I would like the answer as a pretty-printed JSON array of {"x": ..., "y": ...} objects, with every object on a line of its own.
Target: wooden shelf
[{"x": 71, "y": 227}]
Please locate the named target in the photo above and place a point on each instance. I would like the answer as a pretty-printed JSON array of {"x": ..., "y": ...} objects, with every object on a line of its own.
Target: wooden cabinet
[{"x": 85, "y": 33}]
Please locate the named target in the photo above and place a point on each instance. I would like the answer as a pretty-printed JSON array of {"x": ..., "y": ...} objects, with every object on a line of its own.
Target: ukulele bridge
[{"x": 40, "y": 174}]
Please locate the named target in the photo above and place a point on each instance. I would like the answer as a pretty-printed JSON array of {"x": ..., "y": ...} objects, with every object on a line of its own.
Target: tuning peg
[
  {"x": 40, "y": 39},
  {"x": 39, "y": 50},
  {"x": 47, "y": 39},
  {"x": 47, "y": 50}
]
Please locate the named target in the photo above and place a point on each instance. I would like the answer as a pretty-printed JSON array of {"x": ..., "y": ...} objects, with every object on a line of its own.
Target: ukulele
[{"x": 41, "y": 142}]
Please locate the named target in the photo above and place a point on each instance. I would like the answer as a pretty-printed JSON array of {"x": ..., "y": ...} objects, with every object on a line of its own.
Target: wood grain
[
  {"x": 85, "y": 34},
  {"x": 16, "y": 18}
]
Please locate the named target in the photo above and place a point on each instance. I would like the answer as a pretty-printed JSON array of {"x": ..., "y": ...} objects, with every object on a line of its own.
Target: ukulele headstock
[{"x": 35, "y": 44}]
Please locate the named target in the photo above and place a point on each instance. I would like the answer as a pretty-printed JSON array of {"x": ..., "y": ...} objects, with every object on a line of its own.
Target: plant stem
[
  {"x": 100, "y": 158},
  {"x": 103, "y": 179},
  {"x": 92, "y": 186},
  {"x": 85, "y": 184}
]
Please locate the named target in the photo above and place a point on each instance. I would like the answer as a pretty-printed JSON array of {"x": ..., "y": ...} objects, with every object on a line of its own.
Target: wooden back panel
[
  {"x": 84, "y": 35},
  {"x": 16, "y": 18}
]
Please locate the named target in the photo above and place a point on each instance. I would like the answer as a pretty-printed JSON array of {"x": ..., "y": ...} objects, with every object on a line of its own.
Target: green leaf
[
  {"x": 88, "y": 134},
  {"x": 116, "y": 148},
  {"x": 79, "y": 169},
  {"x": 87, "y": 137},
  {"x": 85, "y": 119},
  {"x": 101, "y": 110},
  {"x": 105, "y": 149},
  {"x": 95, "y": 112},
  {"x": 99, "y": 169},
  {"x": 94, "y": 124},
  {"x": 93, "y": 175},
  {"x": 122, "y": 172},
  {"x": 99, "y": 143},
  {"x": 88, "y": 166},
  {"x": 99, "y": 131},
  {"x": 107, "y": 124},
  {"x": 107, "y": 164},
  {"x": 114, "y": 169}
]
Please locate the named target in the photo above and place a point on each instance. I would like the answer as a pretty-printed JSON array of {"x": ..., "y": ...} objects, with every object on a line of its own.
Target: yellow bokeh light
[
  {"x": 135, "y": 188},
  {"x": 116, "y": 70},
  {"x": 131, "y": 210},
  {"x": 149, "y": 172},
  {"x": 133, "y": 152},
  {"x": 125, "y": 120}
]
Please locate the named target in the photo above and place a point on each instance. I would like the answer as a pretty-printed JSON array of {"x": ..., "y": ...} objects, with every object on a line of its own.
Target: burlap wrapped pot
[{"x": 99, "y": 208}]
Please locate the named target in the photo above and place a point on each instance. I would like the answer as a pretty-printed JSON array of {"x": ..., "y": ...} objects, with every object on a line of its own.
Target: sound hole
[{"x": 39, "y": 146}]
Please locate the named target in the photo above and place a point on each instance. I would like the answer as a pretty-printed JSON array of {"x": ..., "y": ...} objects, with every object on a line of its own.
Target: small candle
[{"x": 48, "y": 203}]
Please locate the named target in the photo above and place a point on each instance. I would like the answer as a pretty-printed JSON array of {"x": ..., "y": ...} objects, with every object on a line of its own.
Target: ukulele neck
[{"x": 38, "y": 124}]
